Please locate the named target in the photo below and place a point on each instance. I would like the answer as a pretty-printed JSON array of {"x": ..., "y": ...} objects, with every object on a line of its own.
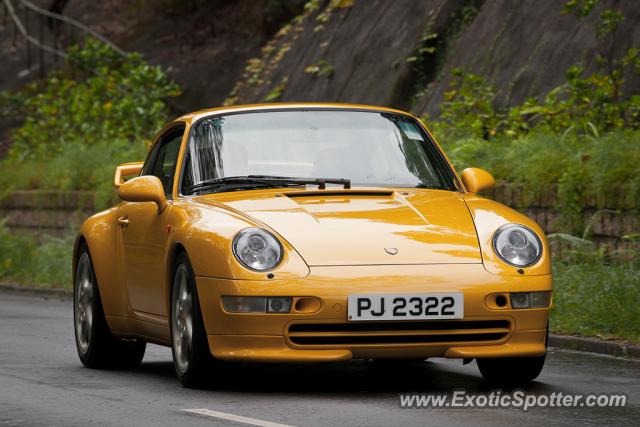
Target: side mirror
[
  {"x": 477, "y": 181},
  {"x": 124, "y": 170},
  {"x": 146, "y": 188}
]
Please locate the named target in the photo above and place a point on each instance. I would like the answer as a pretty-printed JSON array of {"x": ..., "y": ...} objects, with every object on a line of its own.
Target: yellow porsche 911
[{"x": 309, "y": 233}]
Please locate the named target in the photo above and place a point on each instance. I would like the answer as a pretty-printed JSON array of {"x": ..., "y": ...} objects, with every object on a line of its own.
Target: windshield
[{"x": 367, "y": 148}]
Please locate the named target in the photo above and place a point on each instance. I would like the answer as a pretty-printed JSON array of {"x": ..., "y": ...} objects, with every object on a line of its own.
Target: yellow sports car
[{"x": 309, "y": 233}]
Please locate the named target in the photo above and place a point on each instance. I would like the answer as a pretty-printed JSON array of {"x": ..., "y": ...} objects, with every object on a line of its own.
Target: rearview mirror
[
  {"x": 124, "y": 170},
  {"x": 147, "y": 188},
  {"x": 477, "y": 181}
]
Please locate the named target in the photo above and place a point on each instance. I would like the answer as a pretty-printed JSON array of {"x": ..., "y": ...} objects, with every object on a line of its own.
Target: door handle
[{"x": 123, "y": 222}]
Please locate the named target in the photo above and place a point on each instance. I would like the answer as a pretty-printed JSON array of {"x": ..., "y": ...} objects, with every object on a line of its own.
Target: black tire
[
  {"x": 513, "y": 370},
  {"x": 97, "y": 347},
  {"x": 192, "y": 358}
]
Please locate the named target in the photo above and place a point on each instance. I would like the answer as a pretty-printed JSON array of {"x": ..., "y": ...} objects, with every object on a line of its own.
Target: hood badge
[{"x": 391, "y": 251}]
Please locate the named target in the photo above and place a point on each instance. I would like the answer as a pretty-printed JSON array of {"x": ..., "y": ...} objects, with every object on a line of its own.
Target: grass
[
  {"x": 31, "y": 263},
  {"x": 597, "y": 300},
  {"x": 542, "y": 157},
  {"x": 79, "y": 167}
]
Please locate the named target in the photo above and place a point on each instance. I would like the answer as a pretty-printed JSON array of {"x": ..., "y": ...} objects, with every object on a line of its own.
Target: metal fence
[{"x": 48, "y": 32}]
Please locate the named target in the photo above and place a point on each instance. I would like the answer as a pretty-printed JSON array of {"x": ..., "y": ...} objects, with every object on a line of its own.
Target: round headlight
[
  {"x": 517, "y": 245},
  {"x": 257, "y": 249}
]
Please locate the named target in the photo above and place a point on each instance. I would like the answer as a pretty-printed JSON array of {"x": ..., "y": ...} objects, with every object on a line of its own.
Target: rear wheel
[
  {"x": 97, "y": 347},
  {"x": 191, "y": 355},
  {"x": 513, "y": 370}
]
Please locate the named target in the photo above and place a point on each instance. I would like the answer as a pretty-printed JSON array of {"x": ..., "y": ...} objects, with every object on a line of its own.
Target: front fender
[
  {"x": 206, "y": 234},
  {"x": 488, "y": 216}
]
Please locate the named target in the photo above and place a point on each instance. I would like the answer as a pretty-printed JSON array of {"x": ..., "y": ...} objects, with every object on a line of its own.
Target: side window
[
  {"x": 165, "y": 161},
  {"x": 148, "y": 163}
]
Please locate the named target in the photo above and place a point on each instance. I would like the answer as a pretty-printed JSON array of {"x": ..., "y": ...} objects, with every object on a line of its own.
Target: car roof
[{"x": 197, "y": 115}]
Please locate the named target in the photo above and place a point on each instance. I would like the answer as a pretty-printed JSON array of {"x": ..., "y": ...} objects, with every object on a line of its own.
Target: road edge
[
  {"x": 594, "y": 345},
  {"x": 23, "y": 290},
  {"x": 566, "y": 342}
]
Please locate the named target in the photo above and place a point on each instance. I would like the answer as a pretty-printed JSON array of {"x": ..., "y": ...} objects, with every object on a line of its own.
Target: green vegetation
[
  {"x": 320, "y": 68},
  {"x": 276, "y": 93},
  {"x": 31, "y": 263},
  {"x": 597, "y": 300},
  {"x": 596, "y": 291},
  {"x": 583, "y": 136},
  {"x": 76, "y": 131},
  {"x": 581, "y": 165}
]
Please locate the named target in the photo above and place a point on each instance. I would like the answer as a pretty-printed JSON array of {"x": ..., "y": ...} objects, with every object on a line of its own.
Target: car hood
[{"x": 365, "y": 227}]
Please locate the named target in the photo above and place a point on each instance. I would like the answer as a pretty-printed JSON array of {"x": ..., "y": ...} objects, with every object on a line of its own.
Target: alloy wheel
[
  {"x": 84, "y": 303},
  {"x": 182, "y": 320}
]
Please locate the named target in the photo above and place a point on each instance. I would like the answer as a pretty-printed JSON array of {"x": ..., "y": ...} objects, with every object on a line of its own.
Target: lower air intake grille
[{"x": 326, "y": 334}]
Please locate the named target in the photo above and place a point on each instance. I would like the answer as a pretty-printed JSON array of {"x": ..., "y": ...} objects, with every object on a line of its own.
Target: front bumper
[{"x": 327, "y": 335}]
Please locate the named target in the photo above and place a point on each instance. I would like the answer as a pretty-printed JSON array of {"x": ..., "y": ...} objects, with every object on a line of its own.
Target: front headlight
[
  {"x": 257, "y": 249},
  {"x": 517, "y": 245}
]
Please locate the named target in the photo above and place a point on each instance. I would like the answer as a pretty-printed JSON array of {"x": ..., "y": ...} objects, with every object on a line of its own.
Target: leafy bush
[
  {"x": 468, "y": 108},
  {"x": 77, "y": 131},
  {"x": 119, "y": 98},
  {"x": 587, "y": 106}
]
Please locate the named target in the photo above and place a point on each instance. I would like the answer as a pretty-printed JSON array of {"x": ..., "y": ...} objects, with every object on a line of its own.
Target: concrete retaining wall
[
  {"x": 57, "y": 212},
  {"x": 47, "y": 212}
]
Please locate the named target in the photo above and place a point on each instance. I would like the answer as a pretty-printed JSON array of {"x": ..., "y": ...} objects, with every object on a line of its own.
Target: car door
[{"x": 144, "y": 238}]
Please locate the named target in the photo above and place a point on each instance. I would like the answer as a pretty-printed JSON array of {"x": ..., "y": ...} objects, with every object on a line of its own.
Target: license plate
[{"x": 405, "y": 306}]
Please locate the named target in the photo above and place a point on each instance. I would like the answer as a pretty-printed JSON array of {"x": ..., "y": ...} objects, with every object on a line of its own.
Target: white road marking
[{"x": 237, "y": 418}]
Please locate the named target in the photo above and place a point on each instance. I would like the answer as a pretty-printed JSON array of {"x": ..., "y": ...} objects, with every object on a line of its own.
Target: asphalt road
[{"x": 43, "y": 383}]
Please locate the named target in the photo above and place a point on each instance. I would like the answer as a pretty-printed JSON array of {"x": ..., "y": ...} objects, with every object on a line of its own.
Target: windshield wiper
[
  {"x": 430, "y": 187},
  {"x": 267, "y": 179}
]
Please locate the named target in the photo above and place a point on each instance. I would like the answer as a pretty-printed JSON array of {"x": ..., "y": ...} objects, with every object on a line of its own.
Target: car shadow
[
  {"x": 157, "y": 369},
  {"x": 339, "y": 378}
]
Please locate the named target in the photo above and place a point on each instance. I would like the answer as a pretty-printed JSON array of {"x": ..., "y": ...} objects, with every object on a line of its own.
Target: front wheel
[
  {"x": 97, "y": 347},
  {"x": 513, "y": 370},
  {"x": 191, "y": 356}
]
